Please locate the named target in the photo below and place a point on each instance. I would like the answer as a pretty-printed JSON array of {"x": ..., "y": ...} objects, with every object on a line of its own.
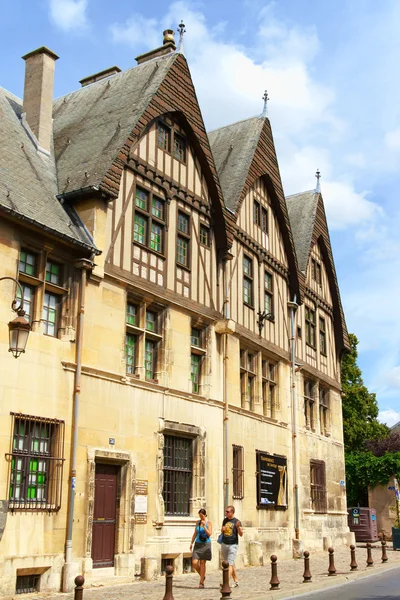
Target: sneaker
[{"x": 235, "y": 584}]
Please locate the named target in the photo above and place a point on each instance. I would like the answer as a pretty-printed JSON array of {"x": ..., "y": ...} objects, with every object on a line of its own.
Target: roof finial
[
  {"x": 265, "y": 110},
  {"x": 318, "y": 186},
  {"x": 181, "y": 30}
]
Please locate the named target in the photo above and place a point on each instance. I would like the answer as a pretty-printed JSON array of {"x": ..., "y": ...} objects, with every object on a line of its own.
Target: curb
[{"x": 336, "y": 581}]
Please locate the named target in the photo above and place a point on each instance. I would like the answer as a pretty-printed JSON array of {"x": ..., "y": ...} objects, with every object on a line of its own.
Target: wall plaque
[
  {"x": 271, "y": 480},
  {"x": 141, "y": 487}
]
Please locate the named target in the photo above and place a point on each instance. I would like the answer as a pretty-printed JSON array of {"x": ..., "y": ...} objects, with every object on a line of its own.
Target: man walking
[{"x": 231, "y": 529}]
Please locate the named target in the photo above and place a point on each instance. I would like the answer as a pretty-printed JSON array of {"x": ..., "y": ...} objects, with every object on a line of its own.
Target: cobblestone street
[{"x": 253, "y": 581}]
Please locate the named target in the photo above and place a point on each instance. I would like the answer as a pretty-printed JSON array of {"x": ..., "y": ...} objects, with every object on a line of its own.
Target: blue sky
[{"x": 331, "y": 71}]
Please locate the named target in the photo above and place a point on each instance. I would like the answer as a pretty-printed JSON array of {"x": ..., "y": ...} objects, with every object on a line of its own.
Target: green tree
[{"x": 360, "y": 408}]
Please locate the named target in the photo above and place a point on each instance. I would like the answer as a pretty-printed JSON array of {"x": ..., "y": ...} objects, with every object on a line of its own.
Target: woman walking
[{"x": 202, "y": 545}]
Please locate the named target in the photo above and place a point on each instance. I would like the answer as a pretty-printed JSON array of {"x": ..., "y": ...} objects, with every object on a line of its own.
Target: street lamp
[{"x": 19, "y": 327}]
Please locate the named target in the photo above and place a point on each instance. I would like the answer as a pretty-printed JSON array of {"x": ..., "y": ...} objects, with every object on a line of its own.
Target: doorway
[{"x": 104, "y": 515}]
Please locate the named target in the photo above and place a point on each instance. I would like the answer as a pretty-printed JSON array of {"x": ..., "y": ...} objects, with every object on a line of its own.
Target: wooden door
[{"x": 104, "y": 518}]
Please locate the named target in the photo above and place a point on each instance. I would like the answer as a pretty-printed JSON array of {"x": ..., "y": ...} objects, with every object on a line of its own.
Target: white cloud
[
  {"x": 392, "y": 140},
  {"x": 69, "y": 14},
  {"x": 389, "y": 416},
  {"x": 356, "y": 159},
  {"x": 135, "y": 29}
]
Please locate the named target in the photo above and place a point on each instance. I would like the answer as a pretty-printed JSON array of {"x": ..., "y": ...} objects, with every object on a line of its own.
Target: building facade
[{"x": 186, "y": 332}]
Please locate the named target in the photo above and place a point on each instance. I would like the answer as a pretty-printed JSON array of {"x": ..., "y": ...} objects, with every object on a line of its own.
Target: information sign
[{"x": 271, "y": 480}]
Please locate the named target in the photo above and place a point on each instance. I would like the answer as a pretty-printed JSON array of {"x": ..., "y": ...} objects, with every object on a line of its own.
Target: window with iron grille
[
  {"x": 248, "y": 280},
  {"x": 324, "y": 410},
  {"x": 36, "y": 463},
  {"x": 322, "y": 336},
  {"x": 309, "y": 403},
  {"x": 27, "y": 584},
  {"x": 318, "y": 486},
  {"x": 178, "y": 467},
  {"x": 238, "y": 472},
  {"x": 310, "y": 326},
  {"x": 149, "y": 220}
]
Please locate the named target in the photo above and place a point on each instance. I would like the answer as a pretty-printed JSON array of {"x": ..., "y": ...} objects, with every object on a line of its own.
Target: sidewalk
[{"x": 253, "y": 581}]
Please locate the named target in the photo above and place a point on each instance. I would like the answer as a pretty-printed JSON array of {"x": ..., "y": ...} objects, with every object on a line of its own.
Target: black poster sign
[{"x": 271, "y": 480}]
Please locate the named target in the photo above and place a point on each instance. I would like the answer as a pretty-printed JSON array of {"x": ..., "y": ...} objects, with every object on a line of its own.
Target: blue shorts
[{"x": 229, "y": 552}]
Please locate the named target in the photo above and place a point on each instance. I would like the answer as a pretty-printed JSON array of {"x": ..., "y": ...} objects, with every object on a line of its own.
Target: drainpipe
[
  {"x": 225, "y": 388},
  {"x": 293, "y": 306},
  {"x": 67, "y": 583}
]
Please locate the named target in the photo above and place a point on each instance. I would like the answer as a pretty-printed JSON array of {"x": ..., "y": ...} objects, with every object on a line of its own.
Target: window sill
[
  {"x": 248, "y": 305},
  {"x": 144, "y": 247},
  {"x": 184, "y": 267}
]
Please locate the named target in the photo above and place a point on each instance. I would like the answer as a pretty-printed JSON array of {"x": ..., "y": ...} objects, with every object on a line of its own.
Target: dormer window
[
  {"x": 179, "y": 147},
  {"x": 260, "y": 216},
  {"x": 164, "y": 137}
]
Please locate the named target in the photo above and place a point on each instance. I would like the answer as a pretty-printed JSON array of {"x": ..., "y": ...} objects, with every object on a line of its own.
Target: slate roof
[
  {"x": 93, "y": 123},
  {"x": 233, "y": 148},
  {"x": 28, "y": 184},
  {"x": 302, "y": 209}
]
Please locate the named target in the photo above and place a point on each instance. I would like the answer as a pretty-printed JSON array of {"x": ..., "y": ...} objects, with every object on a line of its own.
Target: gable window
[
  {"x": 238, "y": 472},
  {"x": 179, "y": 147},
  {"x": 257, "y": 213},
  {"x": 322, "y": 336},
  {"x": 316, "y": 271},
  {"x": 183, "y": 240},
  {"x": 248, "y": 280},
  {"x": 318, "y": 486},
  {"x": 149, "y": 220},
  {"x": 163, "y": 137},
  {"x": 309, "y": 403},
  {"x": 36, "y": 463},
  {"x": 178, "y": 467},
  {"x": 268, "y": 293},
  {"x": 310, "y": 326},
  {"x": 264, "y": 220},
  {"x": 247, "y": 378},
  {"x": 324, "y": 410},
  {"x": 269, "y": 388},
  {"x": 204, "y": 235}
]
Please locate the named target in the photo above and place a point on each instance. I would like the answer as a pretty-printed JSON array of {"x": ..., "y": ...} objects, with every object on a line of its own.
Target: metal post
[
  {"x": 332, "y": 568},
  {"x": 274, "y": 582},
  {"x": 293, "y": 306},
  {"x": 384, "y": 555},
  {"x": 370, "y": 560},
  {"x": 225, "y": 589},
  {"x": 168, "y": 583},
  {"x": 353, "y": 563},
  {"x": 307, "y": 572},
  {"x": 78, "y": 592}
]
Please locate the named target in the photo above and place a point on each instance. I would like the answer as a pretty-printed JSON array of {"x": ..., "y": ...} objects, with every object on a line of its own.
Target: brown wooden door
[{"x": 104, "y": 518}]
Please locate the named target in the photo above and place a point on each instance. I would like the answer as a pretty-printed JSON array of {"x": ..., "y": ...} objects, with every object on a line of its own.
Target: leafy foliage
[
  {"x": 360, "y": 408},
  {"x": 371, "y": 458}
]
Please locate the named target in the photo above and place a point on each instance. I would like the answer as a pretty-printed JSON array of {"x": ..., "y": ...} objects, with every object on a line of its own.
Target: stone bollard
[
  {"x": 353, "y": 563},
  {"x": 384, "y": 555},
  {"x": 169, "y": 570},
  {"x": 225, "y": 589},
  {"x": 332, "y": 568},
  {"x": 370, "y": 560},
  {"x": 274, "y": 574},
  {"x": 307, "y": 572},
  {"x": 78, "y": 593}
]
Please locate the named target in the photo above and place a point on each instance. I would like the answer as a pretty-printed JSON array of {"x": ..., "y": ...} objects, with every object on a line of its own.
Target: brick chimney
[
  {"x": 38, "y": 94},
  {"x": 167, "y": 47}
]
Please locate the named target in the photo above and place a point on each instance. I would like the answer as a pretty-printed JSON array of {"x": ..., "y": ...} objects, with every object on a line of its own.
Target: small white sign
[{"x": 140, "y": 504}]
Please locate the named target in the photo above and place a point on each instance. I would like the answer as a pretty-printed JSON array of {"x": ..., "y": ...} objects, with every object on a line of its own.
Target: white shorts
[{"x": 229, "y": 552}]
